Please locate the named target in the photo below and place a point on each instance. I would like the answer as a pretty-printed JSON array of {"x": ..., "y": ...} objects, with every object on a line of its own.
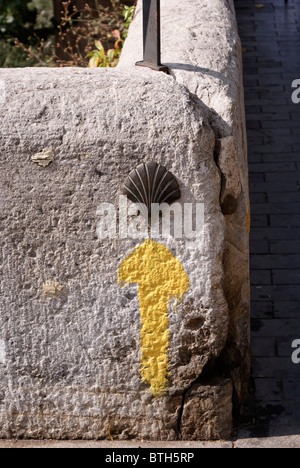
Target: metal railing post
[{"x": 151, "y": 36}]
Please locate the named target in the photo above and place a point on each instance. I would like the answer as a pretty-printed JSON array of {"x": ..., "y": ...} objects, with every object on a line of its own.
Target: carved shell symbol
[{"x": 151, "y": 183}]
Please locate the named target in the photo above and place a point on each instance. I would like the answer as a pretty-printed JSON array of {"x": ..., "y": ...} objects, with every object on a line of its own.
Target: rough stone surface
[
  {"x": 291, "y": 441},
  {"x": 210, "y": 402},
  {"x": 70, "y": 361},
  {"x": 201, "y": 47},
  {"x": 73, "y": 360},
  {"x": 43, "y": 158},
  {"x": 229, "y": 167},
  {"x": 133, "y": 445}
]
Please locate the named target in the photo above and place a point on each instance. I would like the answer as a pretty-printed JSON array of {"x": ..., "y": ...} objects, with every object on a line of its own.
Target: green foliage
[
  {"x": 110, "y": 58},
  {"x": 128, "y": 14},
  {"x": 29, "y": 23},
  {"x": 10, "y": 56},
  {"x": 29, "y": 35},
  {"x": 101, "y": 58}
]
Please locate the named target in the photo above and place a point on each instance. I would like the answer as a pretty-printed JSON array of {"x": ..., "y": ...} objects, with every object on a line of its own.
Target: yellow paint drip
[{"x": 160, "y": 277}]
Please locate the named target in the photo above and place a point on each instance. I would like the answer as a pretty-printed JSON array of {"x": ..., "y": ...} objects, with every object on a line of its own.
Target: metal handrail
[{"x": 151, "y": 37}]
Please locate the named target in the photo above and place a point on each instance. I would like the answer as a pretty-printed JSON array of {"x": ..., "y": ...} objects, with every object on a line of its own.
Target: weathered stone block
[{"x": 207, "y": 411}]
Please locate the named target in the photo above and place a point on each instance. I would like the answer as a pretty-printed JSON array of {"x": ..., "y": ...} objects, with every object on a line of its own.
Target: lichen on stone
[
  {"x": 53, "y": 289},
  {"x": 44, "y": 157}
]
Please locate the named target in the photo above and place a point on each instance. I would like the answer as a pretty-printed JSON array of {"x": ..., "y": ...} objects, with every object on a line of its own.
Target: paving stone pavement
[
  {"x": 292, "y": 441},
  {"x": 270, "y": 34}
]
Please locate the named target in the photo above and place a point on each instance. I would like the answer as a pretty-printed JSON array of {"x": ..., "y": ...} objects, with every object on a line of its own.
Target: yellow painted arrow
[{"x": 161, "y": 278}]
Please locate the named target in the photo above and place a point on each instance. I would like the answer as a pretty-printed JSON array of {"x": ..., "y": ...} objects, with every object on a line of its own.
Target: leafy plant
[
  {"x": 128, "y": 14},
  {"x": 25, "y": 22},
  {"x": 29, "y": 35},
  {"x": 101, "y": 58},
  {"x": 80, "y": 30},
  {"x": 110, "y": 58}
]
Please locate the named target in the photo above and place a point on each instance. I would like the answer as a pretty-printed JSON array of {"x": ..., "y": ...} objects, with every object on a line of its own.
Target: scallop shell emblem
[{"x": 151, "y": 183}]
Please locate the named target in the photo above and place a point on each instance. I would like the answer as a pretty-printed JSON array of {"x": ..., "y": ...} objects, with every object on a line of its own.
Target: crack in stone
[{"x": 179, "y": 436}]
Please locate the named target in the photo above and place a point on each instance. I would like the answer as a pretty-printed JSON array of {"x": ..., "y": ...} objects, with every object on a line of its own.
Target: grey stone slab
[
  {"x": 285, "y": 247},
  {"x": 82, "y": 348},
  {"x": 272, "y": 167},
  {"x": 258, "y": 198},
  {"x": 291, "y": 389},
  {"x": 256, "y": 177},
  {"x": 269, "y": 442},
  {"x": 111, "y": 445},
  {"x": 286, "y": 276},
  {"x": 275, "y": 327},
  {"x": 287, "y": 309},
  {"x": 286, "y": 197},
  {"x": 275, "y": 293},
  {"x": 259, "y": 246},
  {"x": 284, "y": 344},
  {"x": 275, "y": 261},
  {"x": 259, "y": 277},
  {"x": 279, "y": 367},
  {"x": 263, "y": 346},
  {"x": 261, "y": 309},
  {"x": 289, "y": 209},
  {"x": 275, "y": 187},
  {"x": 278, "y": 124},
  {"x": 259, "y": 220},
  {"x": 268, "y": 390},
  {"x": 285, "y": 220}
]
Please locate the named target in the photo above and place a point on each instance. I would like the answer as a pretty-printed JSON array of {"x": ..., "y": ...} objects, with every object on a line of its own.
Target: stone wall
[{"x": 81, "y": 354}]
